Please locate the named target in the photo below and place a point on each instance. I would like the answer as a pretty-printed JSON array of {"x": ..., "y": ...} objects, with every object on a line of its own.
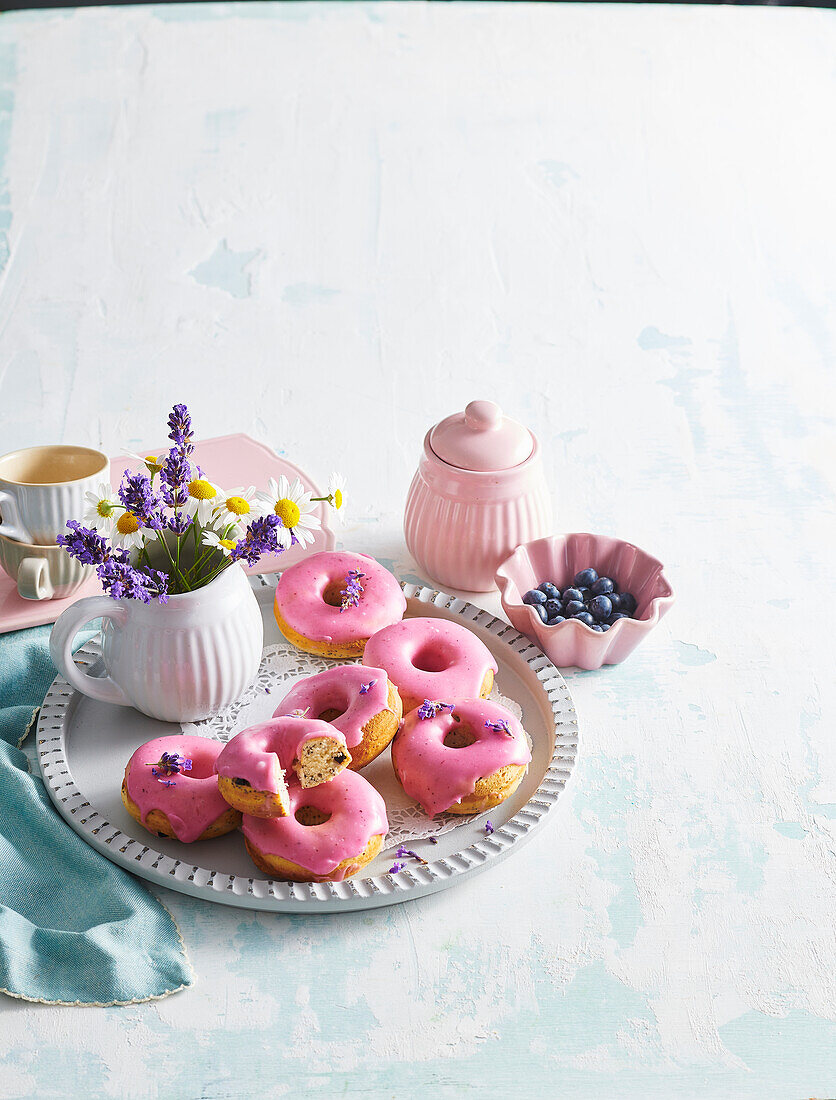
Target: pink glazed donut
[
  {"x": 464, "y": 761},
  {"x": 177, "y": 795},
  {"x": 255, "y": 765},
  {"x": 432, "y": 659},
  {"x": 330, "y": 832},
  {"x": 331, "y": 603},
  {"x": 361, "y": 702}
]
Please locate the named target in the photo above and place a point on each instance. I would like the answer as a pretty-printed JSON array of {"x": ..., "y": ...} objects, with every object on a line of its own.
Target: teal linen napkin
[{"x": 74, "y": 928}]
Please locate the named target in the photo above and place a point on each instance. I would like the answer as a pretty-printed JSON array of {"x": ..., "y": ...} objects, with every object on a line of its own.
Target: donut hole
[
  {"x": 330, "y": 714},
  {"x": 333, "y": 594},
  {"x": 432, "y": 658},
  {"x": 201, "y": 768},
  {"x": 310, "y": 815},
  {"x": 460, "y": 738}
]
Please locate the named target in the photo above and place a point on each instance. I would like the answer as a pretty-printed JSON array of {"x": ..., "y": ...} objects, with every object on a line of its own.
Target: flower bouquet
[
  {"x": 172, "y": 529},
  {"x": 171, "y": 536}
]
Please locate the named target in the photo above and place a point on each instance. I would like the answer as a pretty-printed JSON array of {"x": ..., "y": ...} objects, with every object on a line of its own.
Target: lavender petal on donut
[
  {"x": 429, "y": 708},
  {"x": 366, "y": 688},
  {"x": 353, "y": 589}
]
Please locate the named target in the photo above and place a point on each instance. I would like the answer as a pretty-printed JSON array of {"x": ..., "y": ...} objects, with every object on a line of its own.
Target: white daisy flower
[
  {"x": 202, "y": 500},
  {"x": 336, "y": 491},
  {"x": 127, "y": 531},
  {"x": 101, "y": 507},
  {"x": 294, "y": 508},
  {"x": 226, "y": 546},
  {"x": 153, "y": 463},
  {"x": 235, "y": 507}
]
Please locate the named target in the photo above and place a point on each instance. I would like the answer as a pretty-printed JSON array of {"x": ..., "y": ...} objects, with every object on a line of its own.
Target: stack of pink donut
[{"x": 293, "y": 784}]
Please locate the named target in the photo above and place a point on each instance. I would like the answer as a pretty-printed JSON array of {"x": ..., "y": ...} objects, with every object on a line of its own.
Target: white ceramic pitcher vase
[{"x": 179, "y": 661}]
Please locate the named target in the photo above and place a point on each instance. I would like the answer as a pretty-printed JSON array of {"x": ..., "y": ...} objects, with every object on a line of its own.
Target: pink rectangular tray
[{"x": 230, "y": 460}]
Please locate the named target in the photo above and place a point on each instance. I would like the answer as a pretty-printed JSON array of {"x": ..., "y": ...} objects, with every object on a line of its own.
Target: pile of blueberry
[{"x": 591, "y": 599}]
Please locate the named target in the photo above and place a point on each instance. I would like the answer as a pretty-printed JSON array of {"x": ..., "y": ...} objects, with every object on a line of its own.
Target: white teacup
[
  {"x": 43, "y": 487},
  {"x": 42, "y": 572}
]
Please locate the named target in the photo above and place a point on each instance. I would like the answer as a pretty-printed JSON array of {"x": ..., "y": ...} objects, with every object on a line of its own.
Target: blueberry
[
  {"x": 585, "y": 617},
  {"x": 556, "y": 619},
  {"x": 541, "y": 611},
  {"x": 549, "y": 590},
  {"x": 585, "y": 594},
  {"x": 572, "y": 594},
  {"x": 601, "y": 608},
  {"x": 586, "y": 577},
  {"x": 602, "y": 587},
  {"x": 573, "y": 608},
  {"x": 603, "y": 627},
  {"x": 598, "y": 628},
  {"x": 615, "y": 600},
  {"x": 535, "y": 596},
  {"x": 554, "y": 607},
  {"x": 628, "y": 603},
  {"x": 616, "y": 616}
]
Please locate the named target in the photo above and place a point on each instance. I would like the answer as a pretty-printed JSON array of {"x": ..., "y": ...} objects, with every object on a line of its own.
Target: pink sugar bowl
[{"x": 479, "y": 492}]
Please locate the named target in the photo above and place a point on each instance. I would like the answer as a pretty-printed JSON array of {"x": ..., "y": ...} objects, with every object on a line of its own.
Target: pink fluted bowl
[{"x": 558, "y": 559}]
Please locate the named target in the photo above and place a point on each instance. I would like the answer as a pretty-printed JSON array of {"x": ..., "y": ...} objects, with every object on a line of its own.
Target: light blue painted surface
[{"x": 404, "y": 207}]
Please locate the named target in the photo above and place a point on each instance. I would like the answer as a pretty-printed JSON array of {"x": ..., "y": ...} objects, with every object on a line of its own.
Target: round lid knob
[{"x": 481, "y": 438}]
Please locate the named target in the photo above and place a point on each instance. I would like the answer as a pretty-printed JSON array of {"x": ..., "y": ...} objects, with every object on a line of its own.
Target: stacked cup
[{"x": 40, "y": 489}]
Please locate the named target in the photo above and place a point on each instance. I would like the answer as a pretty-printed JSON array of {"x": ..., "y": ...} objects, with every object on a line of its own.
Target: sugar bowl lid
[{"x": 481, "y": 438}]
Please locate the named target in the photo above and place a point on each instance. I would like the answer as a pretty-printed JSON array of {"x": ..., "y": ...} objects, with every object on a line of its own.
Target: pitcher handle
[
  {"x": 61, "y": 642},
  {"x": 10, "y": 523}
]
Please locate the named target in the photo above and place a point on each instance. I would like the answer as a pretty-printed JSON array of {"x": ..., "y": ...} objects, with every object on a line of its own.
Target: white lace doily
[{"x": 282, "y": 665}]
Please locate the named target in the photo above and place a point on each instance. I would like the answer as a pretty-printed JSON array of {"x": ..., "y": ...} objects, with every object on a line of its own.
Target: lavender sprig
[
  {"x": 488, "y": 827},
  {"x": 366, "y": 688},
  {"x": 180, "y": 429},
  {"x": 429, "y": 708},
  {"x": 140, "y": 500},
  {"x": 353, "y": 589},
  {"x": 396, "y": 866},
  {"x": 170, "y": 763},
  {"x": 403, "y": 852},
  {"x": 85, "y": 544},
  {"x": 500, "y": 726},
  {"x": 174, "y": 479},
  {"x": 113, "y": 567},
  {"x": 259, "y": 538}
]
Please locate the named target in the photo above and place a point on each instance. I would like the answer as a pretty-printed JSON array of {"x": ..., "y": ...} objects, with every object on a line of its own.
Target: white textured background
[{"x": 331, "y": 224}]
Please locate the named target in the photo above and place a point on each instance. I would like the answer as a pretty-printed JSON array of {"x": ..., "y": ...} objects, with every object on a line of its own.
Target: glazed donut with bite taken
[
  {"x": 170, "y": 788},
  {"x": 332, "y": 602},
  {"x": 359, "y": 701},
  {"x": 463, "y": 758},
  {"x": 329, "y": 833},
  {"x": 429, "y": 658},
  {"x": 255, "y": 766}
]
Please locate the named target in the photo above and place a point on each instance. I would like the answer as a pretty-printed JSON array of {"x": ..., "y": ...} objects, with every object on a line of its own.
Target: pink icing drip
[
  {"x": 465, "y": 657},
  {"x": 193, "y": 803},
  {"x": 437, "y": 776},
  {"x": 263, "y": 754},
  {"x": 300, "y": 602},
  {"x": 357, "y": 811},
  {"x": 339, "y": 689}
]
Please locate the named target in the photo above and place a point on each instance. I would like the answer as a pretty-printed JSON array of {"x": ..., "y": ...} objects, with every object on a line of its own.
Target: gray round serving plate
[{"x": 83, "y": 746}]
